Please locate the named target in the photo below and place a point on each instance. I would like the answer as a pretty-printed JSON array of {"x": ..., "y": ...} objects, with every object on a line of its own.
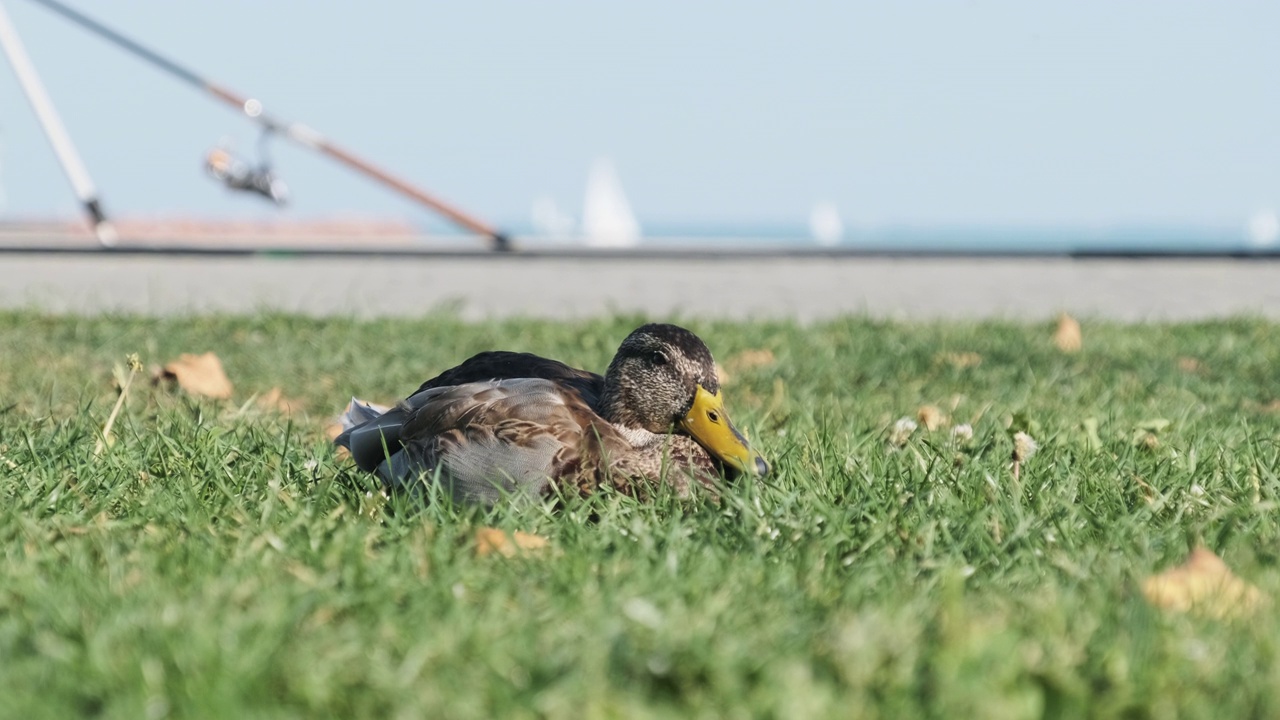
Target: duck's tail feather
[
  {"x": 359, "y": 412},
  {"x": 370, "y": 431}
]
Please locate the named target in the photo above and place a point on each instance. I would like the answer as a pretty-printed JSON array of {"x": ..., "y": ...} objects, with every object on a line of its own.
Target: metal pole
[
  {"x": 53, "y": 128},
  {"x": 296, "y": 131}
]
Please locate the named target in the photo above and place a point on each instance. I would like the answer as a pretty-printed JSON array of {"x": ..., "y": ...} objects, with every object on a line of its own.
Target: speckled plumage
[{"x": 515, "y": 424}]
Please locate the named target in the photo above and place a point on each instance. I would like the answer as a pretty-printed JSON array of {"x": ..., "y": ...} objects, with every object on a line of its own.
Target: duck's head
[{"x": 664, "y": 380}]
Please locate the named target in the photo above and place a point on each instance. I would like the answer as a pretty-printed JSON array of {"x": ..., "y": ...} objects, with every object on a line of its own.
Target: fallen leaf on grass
[
  {"x": 199, "y": 375},
  {"x": 274, "y": 399},
  {"x": 931, "y": 417},
  {"x": 961, "y": 360},
  {"x": 492, "y": 540},
  {"x": 1190, "y": 365},
  {"x": 1067, "y": 337},
  {"x": 332, "y": 431},
  {"x": 1203, "y": 584},
  {"x": 752, "y": 359},
  {"x": 745, "y": 360},
  {"x": 1148, "y": 492}
]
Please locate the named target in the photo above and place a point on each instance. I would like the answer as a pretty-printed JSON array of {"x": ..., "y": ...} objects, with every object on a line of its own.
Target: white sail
[
  {"x": 607, "y": 220},
  {"x": 825, "y": 224},
  {"x": 1264, "y": 228}
]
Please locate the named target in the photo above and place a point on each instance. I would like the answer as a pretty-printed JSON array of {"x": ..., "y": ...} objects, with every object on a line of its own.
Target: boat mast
[
  {"x": 299, "y": 133},
  {"x": 55, "y": 131}
]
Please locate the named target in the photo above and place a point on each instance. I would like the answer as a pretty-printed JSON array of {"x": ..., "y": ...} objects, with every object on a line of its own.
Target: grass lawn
[{"x": 218, "y": 561}]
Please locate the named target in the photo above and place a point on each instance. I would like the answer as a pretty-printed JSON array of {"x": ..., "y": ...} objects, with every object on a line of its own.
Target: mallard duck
[{"x": 505, "y": 423}]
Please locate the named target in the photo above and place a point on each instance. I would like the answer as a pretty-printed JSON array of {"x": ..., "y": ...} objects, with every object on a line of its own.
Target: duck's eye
[{"x": 659, "y": 358}]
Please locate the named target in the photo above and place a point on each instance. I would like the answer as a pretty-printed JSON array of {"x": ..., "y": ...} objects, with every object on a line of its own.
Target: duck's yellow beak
[{"x": 709, "y": 424}]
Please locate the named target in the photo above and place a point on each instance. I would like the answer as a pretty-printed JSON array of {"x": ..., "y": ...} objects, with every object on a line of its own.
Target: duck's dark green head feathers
[
  {"x": 654, "y": 376},
  {"x": 664, "y": 378},
  {"x": 684, "y": 349}
]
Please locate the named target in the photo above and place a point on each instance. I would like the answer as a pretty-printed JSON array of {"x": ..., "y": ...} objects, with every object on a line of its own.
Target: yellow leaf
[
  {"x": 1067, "y": 337},
  {"x": 1203, "y": 584},
  {"x": 274, "y": 399},
  {"x": 1190, "y": 365},
  {"x": 931, "y": 417},
  {"x": 961, "y": 360},
  {"x": 200, "y": 375},
  {"x": 332, "y": 431},
  {"x": 752, "y": 359},
  {"x": 492, "y": 540},
  {"x": 745, "y": 360}
]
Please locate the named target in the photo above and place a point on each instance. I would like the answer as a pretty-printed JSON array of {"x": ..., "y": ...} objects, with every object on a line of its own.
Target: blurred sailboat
[
  {"x": 1264, "y": 228},
  {"x": 825, "y": 224},
  {"x": 607, "y": 220}
]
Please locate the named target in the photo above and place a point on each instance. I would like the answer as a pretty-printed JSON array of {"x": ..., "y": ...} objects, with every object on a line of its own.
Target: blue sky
[{"x": 714, "y": 113}]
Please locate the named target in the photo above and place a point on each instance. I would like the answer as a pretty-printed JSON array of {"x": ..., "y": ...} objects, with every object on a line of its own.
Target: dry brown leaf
[
  {"x": 1067, "y": 337},
  {"x": 745, "y": 360},
  {"x": 1190, "y": 365},
  {"x": 492, "y": 540},
  {"x": 1148, "y": 492},
  {"x": 722, "y": 375},
  {"x": 1203, "y": 584},
  {"x": 332, "y": 431},
  {"x": 200, "y": 375},
  {"x": 274, "y": 399},
  {"x": 931, "y": 417},
  {"x": 961, "y": 360},
  {"x": 752, "y": 359}
]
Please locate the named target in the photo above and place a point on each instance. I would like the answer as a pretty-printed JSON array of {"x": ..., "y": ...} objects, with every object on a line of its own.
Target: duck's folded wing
[
  {"x": 504, "y": 365},
  {"x": 490, "y": 439}
]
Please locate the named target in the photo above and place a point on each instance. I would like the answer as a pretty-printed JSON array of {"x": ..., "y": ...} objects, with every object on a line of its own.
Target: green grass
[{"x": 218, "y": 561}]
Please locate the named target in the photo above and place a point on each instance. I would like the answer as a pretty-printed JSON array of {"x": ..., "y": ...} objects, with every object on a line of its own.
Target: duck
[{"x": 516, "y": 425}]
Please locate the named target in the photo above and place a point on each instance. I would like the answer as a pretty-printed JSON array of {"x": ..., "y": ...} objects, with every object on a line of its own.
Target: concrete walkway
[{"x": 805, "y": 288}]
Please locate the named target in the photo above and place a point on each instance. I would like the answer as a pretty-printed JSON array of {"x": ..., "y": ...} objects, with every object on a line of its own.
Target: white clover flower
[
  {"x": 1024, "y": 446},
  {"x": 962, "y": 433},
  {"x": 902, "y": 432}
]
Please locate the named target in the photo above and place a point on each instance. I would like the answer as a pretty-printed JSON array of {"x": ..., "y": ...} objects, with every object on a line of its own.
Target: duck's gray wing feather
[{"x": 489, "y": 439}]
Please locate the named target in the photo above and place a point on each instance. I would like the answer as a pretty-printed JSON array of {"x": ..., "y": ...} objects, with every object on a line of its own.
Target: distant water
[{"x": 1120, "y": 239}]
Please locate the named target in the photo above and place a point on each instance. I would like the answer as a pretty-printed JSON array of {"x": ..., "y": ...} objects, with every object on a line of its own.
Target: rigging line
[
  {"x": 295, "y": 131},
  {"x": 115, "y": 37}
]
